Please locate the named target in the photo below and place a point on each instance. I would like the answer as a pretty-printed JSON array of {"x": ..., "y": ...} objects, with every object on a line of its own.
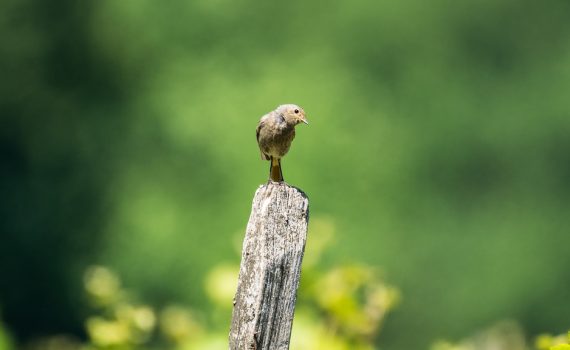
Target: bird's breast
[{"x": 277, "y": 142}]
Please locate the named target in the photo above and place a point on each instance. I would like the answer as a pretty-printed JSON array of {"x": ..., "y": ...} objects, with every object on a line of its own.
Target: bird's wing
[{"x": 261, "y": 124}]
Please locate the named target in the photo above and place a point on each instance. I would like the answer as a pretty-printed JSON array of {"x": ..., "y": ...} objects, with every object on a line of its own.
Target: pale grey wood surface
[{"x": 270, "y": 268}]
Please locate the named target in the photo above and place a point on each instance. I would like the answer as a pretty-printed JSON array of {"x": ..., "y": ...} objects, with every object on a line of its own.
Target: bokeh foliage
[
  {"x": 340, "y": 308},
  {"x": 438, "y": 143}
]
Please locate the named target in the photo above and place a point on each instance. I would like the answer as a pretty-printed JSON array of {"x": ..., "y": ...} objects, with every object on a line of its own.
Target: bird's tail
[{"x": 275, "y": 173}]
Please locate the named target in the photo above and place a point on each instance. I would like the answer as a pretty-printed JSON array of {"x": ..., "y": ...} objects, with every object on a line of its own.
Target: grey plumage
[{"x": 275, "y": 132}]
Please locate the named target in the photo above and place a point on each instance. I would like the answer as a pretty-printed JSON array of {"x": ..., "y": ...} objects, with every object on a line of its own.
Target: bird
[{"x": 275, "y": 132}]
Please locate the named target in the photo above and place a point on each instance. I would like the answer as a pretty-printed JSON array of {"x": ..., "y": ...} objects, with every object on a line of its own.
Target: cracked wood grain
[{"x": 270, "y": 268}]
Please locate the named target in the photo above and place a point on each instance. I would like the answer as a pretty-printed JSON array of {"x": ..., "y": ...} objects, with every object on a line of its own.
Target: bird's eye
[{"x": 296, "y": 111}]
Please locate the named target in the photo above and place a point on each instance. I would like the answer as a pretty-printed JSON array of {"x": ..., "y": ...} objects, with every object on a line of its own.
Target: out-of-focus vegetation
[
  {"x": 340, "y": 308},
  {"x": 438, "y": 144},
  {"x": 506, "y": 335},
  {"x": 549, "y": 342}
]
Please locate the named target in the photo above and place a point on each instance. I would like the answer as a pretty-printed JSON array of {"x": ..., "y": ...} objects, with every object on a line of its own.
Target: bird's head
[{"x": 293, "y": 114}]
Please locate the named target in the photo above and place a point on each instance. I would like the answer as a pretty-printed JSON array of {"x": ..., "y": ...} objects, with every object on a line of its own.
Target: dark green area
[{"x": 439, "y": 144}]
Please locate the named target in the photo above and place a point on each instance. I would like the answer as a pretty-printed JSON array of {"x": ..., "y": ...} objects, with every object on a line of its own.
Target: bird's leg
[
  {"x": 270, "y": 168},
  {"x": 280, "y": 170},
  {"x": 275, "y": 173}
]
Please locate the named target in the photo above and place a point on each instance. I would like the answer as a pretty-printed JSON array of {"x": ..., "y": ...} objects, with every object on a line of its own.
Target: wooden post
[{"x": 270, "y": 268}]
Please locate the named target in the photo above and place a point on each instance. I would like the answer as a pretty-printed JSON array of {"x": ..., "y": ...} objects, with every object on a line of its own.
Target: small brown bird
[{"x": 275, "y": 132}]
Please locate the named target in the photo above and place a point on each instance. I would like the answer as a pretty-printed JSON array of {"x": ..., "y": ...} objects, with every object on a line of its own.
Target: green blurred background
[{"x": 439, "y": 145}]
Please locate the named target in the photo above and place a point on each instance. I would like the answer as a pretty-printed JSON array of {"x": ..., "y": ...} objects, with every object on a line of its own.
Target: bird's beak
[{"x": 305, "y": 121}]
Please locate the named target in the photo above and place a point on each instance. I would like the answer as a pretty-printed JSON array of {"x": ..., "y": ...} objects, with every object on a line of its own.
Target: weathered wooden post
[{"x": 270, "y": 268}]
